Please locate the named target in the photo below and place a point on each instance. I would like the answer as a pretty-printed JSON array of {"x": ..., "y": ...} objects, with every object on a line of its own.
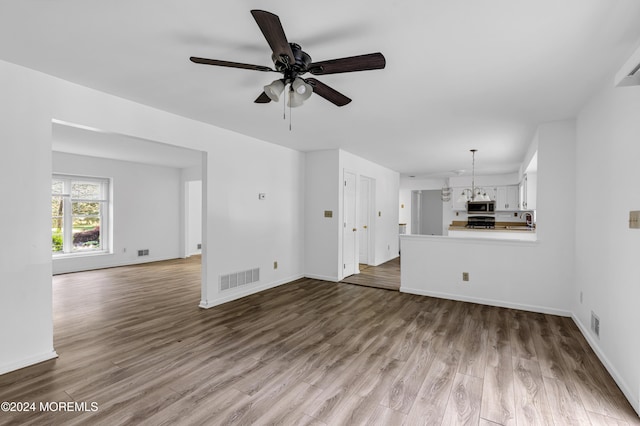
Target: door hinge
[{"x": 344, "y": 266}]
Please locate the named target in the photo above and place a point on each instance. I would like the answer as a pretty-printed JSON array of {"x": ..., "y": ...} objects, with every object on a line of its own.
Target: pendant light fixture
[{"x": 475, "y": 193}]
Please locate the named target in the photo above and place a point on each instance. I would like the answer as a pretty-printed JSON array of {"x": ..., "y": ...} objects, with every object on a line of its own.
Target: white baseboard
[
  {"x": 622, "y": 384},
  {"x": 127, "y": 262},
  {"x": 206, "y": 304},
  {"x": 490, "y": 302},
  {"x": 26, "y": 362},
  {"x": 322, "y": 278}
]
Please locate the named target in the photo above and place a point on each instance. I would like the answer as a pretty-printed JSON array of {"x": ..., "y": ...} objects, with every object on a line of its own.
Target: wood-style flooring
[
  {"x": 133, "y": 341},
  {"x": 385, "y": 276}
]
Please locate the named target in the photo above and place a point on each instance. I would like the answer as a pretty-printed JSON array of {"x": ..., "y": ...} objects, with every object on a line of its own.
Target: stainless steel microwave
[{"x": 481, "y": 207}]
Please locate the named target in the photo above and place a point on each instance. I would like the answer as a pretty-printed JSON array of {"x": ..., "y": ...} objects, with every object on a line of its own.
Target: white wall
[
  {"x": 240, "y": 232},
  {"x": 322, "y": 183},
  {"x": 193, "y": 217},
  {"x": 387, "y": 187},
  {"x": 528, "y": 275},
  {"x": 323, "y": 236},
  {"x": 25, "y": 253},
  {"x": 607, "y": 268},
  {"x": 146, "y": 211}
]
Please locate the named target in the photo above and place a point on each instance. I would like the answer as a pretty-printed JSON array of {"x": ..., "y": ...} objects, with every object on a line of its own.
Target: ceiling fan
[{"x": 292, "y": 62}]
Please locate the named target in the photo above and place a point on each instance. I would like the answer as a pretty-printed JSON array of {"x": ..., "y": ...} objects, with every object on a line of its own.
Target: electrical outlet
[
  {"x": 465, "y": 276},
  {"x": 275, "y": 264}
]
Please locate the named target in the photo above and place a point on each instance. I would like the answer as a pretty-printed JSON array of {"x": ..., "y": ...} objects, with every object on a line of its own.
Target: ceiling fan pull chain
[
  {"x": 284, "y": 109},
  {"x": 289, "y": 113}
]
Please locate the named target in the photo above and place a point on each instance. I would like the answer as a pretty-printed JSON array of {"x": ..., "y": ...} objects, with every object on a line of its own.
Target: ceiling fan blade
[
  {"x": 262, "y": 99},
  {"x": 274, "y": 33},
  {"x": 230, "y": 64},
  {"x": 328, "y": 93},
  {"x": 371, "y": 61}
]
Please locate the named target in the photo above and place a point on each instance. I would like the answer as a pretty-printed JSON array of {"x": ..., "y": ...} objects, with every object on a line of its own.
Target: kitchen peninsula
[{"x": 500, "y": 231}]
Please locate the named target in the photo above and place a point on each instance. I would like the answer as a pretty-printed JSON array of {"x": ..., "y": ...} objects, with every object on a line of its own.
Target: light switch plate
[{"x": 634, "y": 219}]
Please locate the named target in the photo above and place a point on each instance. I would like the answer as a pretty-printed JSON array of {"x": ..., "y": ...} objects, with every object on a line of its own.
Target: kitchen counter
[{"x": 502, "y": 230}]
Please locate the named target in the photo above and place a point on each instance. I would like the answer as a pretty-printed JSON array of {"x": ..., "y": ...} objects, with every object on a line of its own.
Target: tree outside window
[{"x": 79, "y": 208}]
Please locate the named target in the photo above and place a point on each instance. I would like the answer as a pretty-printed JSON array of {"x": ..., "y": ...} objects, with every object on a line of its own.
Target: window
[{"x": 79, "y": 215}]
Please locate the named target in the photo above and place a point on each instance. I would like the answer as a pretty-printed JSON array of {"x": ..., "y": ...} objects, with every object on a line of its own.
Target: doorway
[{"x": 426, "y": 212}]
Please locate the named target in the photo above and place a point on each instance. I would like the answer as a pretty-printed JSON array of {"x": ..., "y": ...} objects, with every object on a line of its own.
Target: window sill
[{"x": 78, "y": 255}]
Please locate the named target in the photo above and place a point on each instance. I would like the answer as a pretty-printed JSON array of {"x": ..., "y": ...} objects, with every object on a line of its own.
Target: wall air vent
[{"x": 238, "y": 279}]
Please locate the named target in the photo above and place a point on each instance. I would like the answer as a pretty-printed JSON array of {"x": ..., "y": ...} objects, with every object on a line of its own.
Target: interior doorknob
[
  {"x": 365, "y": 226},
  {"x": 355, "y": 229}
]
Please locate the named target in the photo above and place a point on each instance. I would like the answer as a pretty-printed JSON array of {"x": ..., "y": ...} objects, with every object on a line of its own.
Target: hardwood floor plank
[
  {"x": 384, "y": 416},
  {"x": 521, "y": 339},
  {"x": 463, "y": 407},
  {"x": 409, "y": 380},
  {"x": 290, "y": 405},
  {"x": 473, "y": 345},
  {"x": 532, "y": 406},
  {"x": 133, "y": 340},
  {"x": 498, "y": 397},
  {"x": 431, "y": 403},
  {"x": 566, "y": 406}
]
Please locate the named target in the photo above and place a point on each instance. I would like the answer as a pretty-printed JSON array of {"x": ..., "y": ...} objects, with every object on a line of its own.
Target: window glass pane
[
  {"x": 78, "y": 206},
  {"x": 56, "y": 235},
  {"x": 56, "y": 224},
  {"x": 86, "y": 190},
  {"x": 57, "y": 186},
  {"x": 56, "y": 206},
  {"x": 86, "y": 233},
  {"x": 85, "y": 209}
]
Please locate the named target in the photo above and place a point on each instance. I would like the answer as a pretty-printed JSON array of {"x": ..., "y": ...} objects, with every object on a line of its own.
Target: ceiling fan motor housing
[{"x": 299, "y": 67}]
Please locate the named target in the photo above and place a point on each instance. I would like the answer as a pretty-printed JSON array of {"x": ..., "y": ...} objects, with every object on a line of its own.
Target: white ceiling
[
  {"x": 97, "y": 143},
  {"x": 460, "y": 74}
]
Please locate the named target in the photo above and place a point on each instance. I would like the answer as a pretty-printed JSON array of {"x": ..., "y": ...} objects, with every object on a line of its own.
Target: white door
[
  {"x": 349, "y": 234},
  {"x": 364, "y": 215}
]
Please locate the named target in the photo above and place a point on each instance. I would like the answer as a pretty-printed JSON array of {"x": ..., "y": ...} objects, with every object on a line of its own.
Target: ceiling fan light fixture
[
  {"x": 295, "y": 99},
  {"x": 302, "y": 88},
  {"x": 274, "y": 90}
]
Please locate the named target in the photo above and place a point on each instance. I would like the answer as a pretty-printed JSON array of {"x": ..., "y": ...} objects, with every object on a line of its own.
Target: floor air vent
[{"x": 238, "y": 279}]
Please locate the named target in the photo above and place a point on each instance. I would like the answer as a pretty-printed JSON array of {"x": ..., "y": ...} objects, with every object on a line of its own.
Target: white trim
[
  {"x": 622, "y": 384},
  {"x": 206, "y": 304},
  {"x": 490, "y": 302},
  {"x": 322, "y": 278},
  {"x": 26, "y": 362},
  {"x": 62, "y": 270}
]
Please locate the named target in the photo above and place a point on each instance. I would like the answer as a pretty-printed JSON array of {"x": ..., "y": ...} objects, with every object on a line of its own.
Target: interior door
[
  {"x": 349, "y": 229},
  {"x": 363, "y": 216}
]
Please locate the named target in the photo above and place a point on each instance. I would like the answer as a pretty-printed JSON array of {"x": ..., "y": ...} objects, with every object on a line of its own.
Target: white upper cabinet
[
  {"x": 507, "y": 198},
  {"x": 528, "y": 191}
]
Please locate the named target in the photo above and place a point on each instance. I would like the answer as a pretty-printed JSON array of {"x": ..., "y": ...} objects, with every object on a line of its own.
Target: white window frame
[{"x": 67, "y": 214}]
